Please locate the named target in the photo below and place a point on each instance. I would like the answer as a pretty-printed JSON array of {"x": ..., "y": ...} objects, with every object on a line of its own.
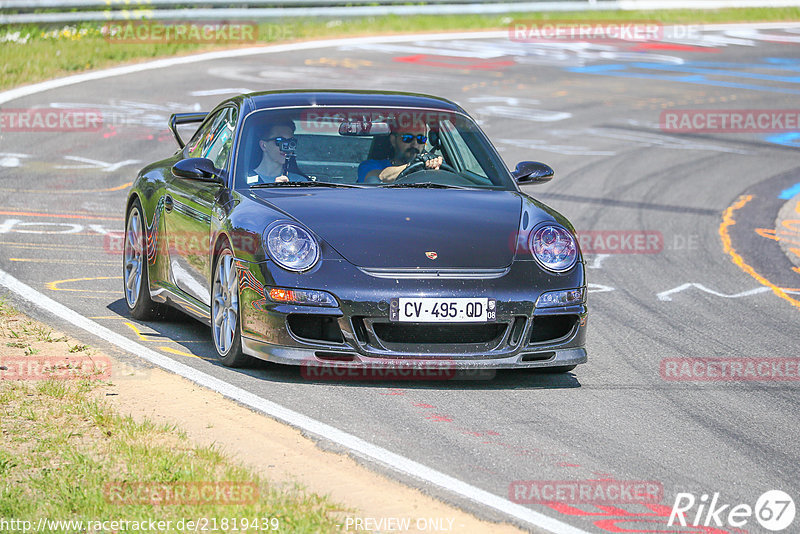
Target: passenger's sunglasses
[
  {"x": 284, "y": 142},
  {"x": 407, "y": 138}
]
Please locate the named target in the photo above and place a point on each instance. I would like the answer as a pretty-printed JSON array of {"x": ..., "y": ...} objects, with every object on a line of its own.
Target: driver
[
  {"x": 270, "y": 168},
  {"x": 408, "y": 146}
]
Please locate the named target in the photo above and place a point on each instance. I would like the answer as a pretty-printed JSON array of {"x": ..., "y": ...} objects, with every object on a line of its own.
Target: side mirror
[
  {"x": 528, "y": 172},
  {"x": 197, "y": 169}
]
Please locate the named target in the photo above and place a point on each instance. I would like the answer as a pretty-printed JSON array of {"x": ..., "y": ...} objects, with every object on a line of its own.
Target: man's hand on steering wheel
[
  {"x": 423, "y": 161},
  {"x": 431, "y": 161}
]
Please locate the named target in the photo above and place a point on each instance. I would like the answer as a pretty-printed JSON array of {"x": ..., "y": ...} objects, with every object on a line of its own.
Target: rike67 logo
[{"x": 774, "y": 511}]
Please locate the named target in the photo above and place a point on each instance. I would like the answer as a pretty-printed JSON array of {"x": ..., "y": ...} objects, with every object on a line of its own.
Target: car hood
[{"x": 397, "y": 228}]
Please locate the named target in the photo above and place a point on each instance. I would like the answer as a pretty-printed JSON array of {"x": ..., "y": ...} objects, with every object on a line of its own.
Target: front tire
[
  {"x": 225, "y": 329},
  {"x": 135, "y": 277}
]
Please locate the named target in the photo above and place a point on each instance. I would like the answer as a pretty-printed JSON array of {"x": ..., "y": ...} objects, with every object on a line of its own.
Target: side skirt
[{"x": 174, "y": 297}]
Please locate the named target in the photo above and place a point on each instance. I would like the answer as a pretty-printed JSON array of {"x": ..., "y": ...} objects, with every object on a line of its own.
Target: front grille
[
  {"x": 435, "y": 333},
  {"x": 422, "y": 274},
  {"x": 552, "y": 327},
  {"x": 321, "y": 328}
]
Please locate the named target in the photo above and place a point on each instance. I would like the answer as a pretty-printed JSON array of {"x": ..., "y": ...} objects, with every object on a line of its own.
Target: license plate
[{"x": 443, "y": 310}]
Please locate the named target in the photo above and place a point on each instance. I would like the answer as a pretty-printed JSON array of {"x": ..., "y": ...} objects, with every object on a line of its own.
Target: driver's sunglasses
[
  {"x": 280, "y": 140},
  {"x": 407, "y": 138}
]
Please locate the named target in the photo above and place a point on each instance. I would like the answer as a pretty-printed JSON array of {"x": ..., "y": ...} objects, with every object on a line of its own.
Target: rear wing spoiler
[{"x": 183, "y": 118}]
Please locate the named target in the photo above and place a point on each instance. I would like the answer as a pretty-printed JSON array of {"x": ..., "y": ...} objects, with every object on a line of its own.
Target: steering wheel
[{"x": 420, "y": 165}]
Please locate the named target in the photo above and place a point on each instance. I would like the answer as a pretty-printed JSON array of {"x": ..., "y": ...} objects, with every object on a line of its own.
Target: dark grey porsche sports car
[{"x": 355, "y": 228}]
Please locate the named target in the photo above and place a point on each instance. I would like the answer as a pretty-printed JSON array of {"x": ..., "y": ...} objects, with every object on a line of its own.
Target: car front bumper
[{"x": 358, "y": 333}]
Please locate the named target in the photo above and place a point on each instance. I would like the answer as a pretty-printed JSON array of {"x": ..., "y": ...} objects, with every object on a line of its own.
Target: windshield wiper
[
  {"x": 303, "y": 184},
  {"x": 429, "y": 185}
]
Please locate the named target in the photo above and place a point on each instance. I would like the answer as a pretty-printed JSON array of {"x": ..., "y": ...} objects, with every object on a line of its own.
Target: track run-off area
[{"x": 720, "y": 280}]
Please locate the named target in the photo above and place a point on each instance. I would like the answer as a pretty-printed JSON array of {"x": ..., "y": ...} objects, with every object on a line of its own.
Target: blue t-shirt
[{"x": 370, "y": 165}]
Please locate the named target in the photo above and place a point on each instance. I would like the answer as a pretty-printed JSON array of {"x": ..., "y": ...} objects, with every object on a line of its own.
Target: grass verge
[
  {"x": 65, "y": 455},
  {"x": 31, "y": 53}
]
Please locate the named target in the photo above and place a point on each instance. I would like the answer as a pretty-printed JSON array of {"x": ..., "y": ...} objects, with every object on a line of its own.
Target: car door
[{"x": 189, "y": 206}]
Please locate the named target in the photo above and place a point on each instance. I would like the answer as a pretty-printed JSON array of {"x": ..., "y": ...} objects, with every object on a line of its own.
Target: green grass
[
  {"x": 65, "y": 454},
  {"x": 57, "y": 51},
  {"x": 6, "y": 310},
  {"x": 75, "y": 453}
]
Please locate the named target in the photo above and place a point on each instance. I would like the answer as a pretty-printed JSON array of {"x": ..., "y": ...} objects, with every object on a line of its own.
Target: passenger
[{"x": 270, "y": 168}]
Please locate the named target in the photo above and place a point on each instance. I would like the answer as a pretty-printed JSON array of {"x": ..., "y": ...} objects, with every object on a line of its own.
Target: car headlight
[
  {"x": 301, "y": 296},
  {"x": 568, "y": 297},
  {"x": 291, "y": 246},
  {"x": 554, "y": 248}
]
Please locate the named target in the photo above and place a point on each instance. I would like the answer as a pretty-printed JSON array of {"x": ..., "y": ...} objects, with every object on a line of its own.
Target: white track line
[
  {"x": 357, "y": 445},
  {"x": 236, "y": 52}
]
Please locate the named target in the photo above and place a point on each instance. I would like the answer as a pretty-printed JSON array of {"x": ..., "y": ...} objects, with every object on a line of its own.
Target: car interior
[{"x": 325, "y": 154}]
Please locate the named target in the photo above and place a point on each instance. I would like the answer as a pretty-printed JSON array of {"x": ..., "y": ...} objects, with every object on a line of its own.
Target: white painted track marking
[{"x": 665, "y": 295}]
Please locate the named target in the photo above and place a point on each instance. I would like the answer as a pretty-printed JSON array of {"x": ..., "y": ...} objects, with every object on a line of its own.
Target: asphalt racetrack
[{"x": 718, "y": 281}]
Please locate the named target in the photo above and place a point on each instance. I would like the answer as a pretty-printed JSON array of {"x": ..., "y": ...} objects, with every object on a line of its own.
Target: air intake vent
[
  {"x": 552, "y": 327},
  {"x": 335, "y": 356},
  {"x": 537, "y": 356},
  {"x": 360, "y": 330},
  {"x": 433, "y": 333},
  {"x": 324, "y": 328},
  {"x": 516, "y": 330}
]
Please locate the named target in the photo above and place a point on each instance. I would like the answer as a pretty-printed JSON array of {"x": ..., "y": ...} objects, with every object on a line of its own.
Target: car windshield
[{"x": 315, "y": 146}]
